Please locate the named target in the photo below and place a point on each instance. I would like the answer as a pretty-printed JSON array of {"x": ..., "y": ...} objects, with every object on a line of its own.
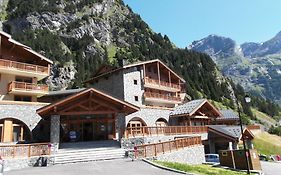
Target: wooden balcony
[
  {"x": 156, "y": 97},
  {"x": 22, "y": 88},
  {"x": 155, "y": 84},
  {"x": 165, "y": 130},
  {"x": 23, "y": 69}
]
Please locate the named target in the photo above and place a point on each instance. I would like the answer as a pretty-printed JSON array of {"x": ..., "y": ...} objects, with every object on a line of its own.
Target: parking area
[{"x": 271, "y": 168}]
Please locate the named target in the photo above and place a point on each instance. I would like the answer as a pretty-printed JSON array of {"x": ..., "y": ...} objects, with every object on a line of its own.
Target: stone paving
[{"x": 110, "y": 167}]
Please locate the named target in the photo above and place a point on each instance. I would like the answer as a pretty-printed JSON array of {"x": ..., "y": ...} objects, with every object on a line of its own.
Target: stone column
[{"x": 55, "y": 129}]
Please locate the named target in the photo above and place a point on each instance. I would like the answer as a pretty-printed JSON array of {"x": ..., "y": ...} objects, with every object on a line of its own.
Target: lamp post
[{"x": 246, "y": 153}]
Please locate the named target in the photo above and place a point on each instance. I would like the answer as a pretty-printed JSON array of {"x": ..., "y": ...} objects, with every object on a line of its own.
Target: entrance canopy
[{"x": 88, "y": 101}]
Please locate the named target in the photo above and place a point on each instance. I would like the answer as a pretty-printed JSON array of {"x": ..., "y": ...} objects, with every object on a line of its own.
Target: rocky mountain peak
[{"x": 215, "y": 46}]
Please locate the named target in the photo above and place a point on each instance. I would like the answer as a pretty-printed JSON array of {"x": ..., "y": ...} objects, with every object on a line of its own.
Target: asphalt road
[
  {"x": 110, "y": 167},
  {"x": 271, "y": 168}
]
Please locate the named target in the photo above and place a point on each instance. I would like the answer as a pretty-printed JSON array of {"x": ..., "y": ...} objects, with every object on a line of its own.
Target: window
[
  {"x": 135, "y": 82},
  {"x": 22, "y": 98},
  {"x": 136, "y": 98}
]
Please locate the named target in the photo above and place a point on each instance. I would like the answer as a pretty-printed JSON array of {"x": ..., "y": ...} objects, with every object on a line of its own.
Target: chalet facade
[
  {"x": 140, "y": 103},
  {"x": 20, "y": 70}
]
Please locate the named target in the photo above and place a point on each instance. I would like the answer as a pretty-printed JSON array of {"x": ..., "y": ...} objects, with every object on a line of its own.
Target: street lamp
[{"x": 246, "y": 153}]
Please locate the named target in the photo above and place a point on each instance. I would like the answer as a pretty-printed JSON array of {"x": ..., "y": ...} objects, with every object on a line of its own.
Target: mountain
[
  {"x": 255, "y": 66},
  {"x": 81, "y": 35}
]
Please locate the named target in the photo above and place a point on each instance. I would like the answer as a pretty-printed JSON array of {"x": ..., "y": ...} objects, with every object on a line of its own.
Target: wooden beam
[
  {"x": 71, "y": 106},
  {"x": 144, "y": 71},
  {"x": 158, "y": 70},
  {"x": 170, "y": 77},
  {"x": 113, "y": 125},
  {"x": 86, "y": 112},
  {"x": 105, "y": 105}
]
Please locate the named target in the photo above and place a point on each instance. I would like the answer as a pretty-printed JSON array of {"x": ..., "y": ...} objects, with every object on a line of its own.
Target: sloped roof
[
  {"x": 188, "y": 107},
  {"x": 133, "y": 65},
  {"x": 230, "y": 131},
  {"x": 26, "y": 48},
  {"x": 64, "y": 92},
  {"x": 191, "y": 107},
  {"x": 228, "y": 115},
  {"x": 87, "y": 96}
]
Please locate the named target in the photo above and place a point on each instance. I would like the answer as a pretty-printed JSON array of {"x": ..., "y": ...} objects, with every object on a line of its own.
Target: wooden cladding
[
  {"x": 24, "y": 67},
  {"x": 165, "y": 130},
  {"x": 152, "y": 150},
  {"x": 25, "y": 150},
  {"x": 161, "y": 96},
  {"x": 22, "y": 86}
]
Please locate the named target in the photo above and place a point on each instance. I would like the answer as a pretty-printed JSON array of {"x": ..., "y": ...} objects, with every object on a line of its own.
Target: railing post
[
  {"x": 155, "y": 150},
  {"x": 145, "y": 151},
  {"x": 176, "y": 144},
  {"x": 170, "y": 146},
  {"x": 29, "y": 150}
]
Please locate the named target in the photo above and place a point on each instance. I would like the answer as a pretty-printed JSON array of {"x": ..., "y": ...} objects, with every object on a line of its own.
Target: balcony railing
[
  {"x": 24, "y": 67},
  {"x": 162, "y": 83},
  {"x": 164, "y": 130},
  {"x": 161, "y": 96},
  {"x": 22, "y": 86},
  {"x": 25, "y": 150},
  {"x": 152, "y": 150}
]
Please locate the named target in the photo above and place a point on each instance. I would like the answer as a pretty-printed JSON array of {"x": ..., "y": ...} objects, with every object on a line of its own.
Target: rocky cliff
[{"x": 256, "y": 66}]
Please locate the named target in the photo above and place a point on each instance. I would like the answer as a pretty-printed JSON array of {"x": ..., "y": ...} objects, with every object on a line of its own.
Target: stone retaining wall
[{"x": 189, "y": 155}]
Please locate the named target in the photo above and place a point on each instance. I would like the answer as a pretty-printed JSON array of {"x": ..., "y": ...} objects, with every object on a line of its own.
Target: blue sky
[{"x": 187, "y": 20}]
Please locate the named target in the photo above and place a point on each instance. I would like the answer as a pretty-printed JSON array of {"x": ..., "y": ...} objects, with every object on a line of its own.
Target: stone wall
[
  {"x": 25, "y": 113},
  {"x": 12, "y": 164},
  {"x": 111, "y": 84},
  {"x": 189, "y": 155},
  {"x": 130, "y": 89},
  {"x": 149, "y": 115}
]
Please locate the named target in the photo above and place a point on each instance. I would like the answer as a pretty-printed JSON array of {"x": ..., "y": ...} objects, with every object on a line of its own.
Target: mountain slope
[
  {"x": 256, "y": 66},
  {"x": 79, "y": 36}
]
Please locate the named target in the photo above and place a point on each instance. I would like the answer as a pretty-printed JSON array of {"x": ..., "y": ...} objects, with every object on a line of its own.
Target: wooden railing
[
  {"x": 152, "y": 150},
  {"x": 162, "y": 83},
  {"x": 14, "y": 85},
  {"x": 165, "y": 130},
  {"x": 24, "y": 66},
  {"x": 25, "y": 150},
  {"x": 161, "y": 96}
]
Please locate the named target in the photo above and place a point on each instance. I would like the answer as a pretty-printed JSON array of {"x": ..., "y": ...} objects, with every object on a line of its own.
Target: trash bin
[{"x": 44, "y": 161}]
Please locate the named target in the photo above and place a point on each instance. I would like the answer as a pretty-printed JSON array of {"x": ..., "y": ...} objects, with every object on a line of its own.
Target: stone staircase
[{"x": 88, "y": 151}]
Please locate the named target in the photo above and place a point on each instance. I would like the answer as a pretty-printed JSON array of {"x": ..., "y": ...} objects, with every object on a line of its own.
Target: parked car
[
  {"x": 212, "y": 158},
  {"x": 263, "y": 157}
]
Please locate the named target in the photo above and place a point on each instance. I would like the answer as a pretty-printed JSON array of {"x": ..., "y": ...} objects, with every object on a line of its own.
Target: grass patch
[
  {"x": 267, "y": 144},
  {"x": 199, "y": 169}
]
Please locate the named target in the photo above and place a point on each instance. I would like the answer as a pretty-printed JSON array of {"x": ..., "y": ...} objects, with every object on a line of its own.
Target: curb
[{"x": 165, "y": 168}]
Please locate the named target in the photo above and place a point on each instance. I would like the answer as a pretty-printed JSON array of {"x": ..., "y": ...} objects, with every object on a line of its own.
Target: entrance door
[
  {"x": 101, "y": 130},
  {"x": 88, "y": 131}
]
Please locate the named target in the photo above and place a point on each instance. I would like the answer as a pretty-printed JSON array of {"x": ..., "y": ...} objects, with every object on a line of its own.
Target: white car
[{"x": 212, "y": 158}]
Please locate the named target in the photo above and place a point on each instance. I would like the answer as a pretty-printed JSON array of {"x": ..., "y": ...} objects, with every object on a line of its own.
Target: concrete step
[{"x": 85, "y": 155}]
